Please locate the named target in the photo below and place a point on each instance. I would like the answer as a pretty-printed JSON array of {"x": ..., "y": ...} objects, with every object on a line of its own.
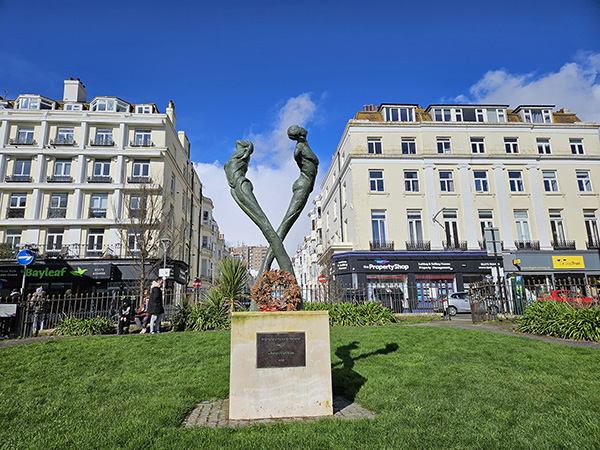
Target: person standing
[
  {"x": 38, "y": 305},
  {"x": 155, "y": 306}
]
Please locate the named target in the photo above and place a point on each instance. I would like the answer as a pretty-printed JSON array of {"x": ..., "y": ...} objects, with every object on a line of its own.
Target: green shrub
[
  {"x": 559, "y": 319},
  {"x": 350, "y": 314},
  {"x": 73, "y": 326},
  {"x": 179, "y": 320},
  {"x": 202, "y": 317}
]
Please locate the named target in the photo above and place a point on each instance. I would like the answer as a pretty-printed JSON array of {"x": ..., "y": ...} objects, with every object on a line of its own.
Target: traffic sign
[
  {"x": 25, "y": 257},
  {"x": 197, "y": 283},
  {"x": 322, "y": 279}
]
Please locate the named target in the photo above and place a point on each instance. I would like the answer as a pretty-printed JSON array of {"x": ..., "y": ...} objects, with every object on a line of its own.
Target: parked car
[{"x": 459, "y": 302}]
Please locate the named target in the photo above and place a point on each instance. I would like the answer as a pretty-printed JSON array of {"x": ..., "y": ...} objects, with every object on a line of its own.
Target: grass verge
[{"x": 431, "y": 388}]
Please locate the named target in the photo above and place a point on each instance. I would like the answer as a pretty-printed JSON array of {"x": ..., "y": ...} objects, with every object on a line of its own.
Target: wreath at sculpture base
[{"x": 276, "y": 290}]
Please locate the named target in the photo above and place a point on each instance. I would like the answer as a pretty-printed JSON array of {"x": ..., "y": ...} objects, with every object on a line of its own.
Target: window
[
  {"x": 58, "y": 206},
  {"x": 496, "y": 115},
  {"x": 378, "y": 226},
  {"x": 557, "y": 226},
  {"x": 374, "y": 145},
  {"x": 135, "y": 206},
  {"x": 25, "y": 136},
  {"x": 515, "y": 180},
  {"x": 550, "y": 181},
  {"x": 72, "y": 107},
  {"x": 13, "y": 237},
  {"x": 481, "y": 181},
  {"x": 409, "y": 146},
  {"x": 415, "y": 226},
  {"x": 537, "y": 116},
  {"x": 62, "y": 168},
  {"x": 443, "y": 145},
  {"x": 64, "y": 136},
  {"x": 98, "y": 206},
  {"x": 480, "y": 115},
  {"x": 141, "y": 169},
  {"x": 22, "y": 168},
  {"x": 399, "y": 115},
  {"x": 29, "y": 103},
  {"x": 451, "y": 229},
  {"x": 442, "y": 114},
  {"x": 543, "y": 146},
  {"x": 18, "y": 200},
  {"x": 95, "y": 241},
  {"x": 104, "y": 104},
  {"x": 583, "y": 180},
  {"x": 103, "y": 137},
  {"x": 576, "y": 146},
  {"x": 511, "y": 145},
  {"x": 143, "y": 109},
  {"x": 591, "y": 228},
  {"x": 101, "y": 168},
  {"x": 133, "y": 240},
  {"x": 411, "y": 181},
  {"x": 446, "y": 181},
  {"x": 376, "y": 180},
  {"x": 522, "y": 225},
  {"x": 173, "y": 185},
  {"x": 142, "y": 138},
  {"x": 477, "y": 145},
  {"x": 54, "y": 240},
  {"x": 486, "y": 220}
]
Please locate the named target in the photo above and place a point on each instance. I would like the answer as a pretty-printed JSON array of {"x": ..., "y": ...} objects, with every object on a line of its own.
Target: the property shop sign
[
  {"x": 68, "y": 272},
  {"x": 398, "y": 265}
]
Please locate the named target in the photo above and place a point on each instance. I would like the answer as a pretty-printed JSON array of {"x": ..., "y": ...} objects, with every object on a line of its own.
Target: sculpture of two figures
[{"x": 242, "y": 192}]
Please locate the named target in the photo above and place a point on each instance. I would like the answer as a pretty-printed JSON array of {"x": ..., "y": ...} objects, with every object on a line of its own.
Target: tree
[{"x": 232, "y": 281}]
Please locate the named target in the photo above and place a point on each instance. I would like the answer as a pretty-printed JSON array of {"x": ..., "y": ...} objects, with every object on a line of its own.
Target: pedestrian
[
  {"x": 124, "y": 317},
  {"x": 37, "y": 304},
  {"x": 155, "y": 306},
  {"x": 141, "y": 315}
]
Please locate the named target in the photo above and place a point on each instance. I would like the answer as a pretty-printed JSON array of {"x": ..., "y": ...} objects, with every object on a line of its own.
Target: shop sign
[
  {"x": 568, "y": 262},
  {"x": 68, "y": 272},
  {"x": 384, "y": 265},
  {"x": 434, "y": 266}
]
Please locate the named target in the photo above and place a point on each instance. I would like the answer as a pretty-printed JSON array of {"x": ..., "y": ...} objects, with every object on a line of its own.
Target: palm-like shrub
[{"x": 232, "y": 282}]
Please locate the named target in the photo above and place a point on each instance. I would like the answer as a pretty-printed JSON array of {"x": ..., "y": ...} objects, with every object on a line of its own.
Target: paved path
[
  {"x": 506, "y": 327},
  {"x": 216, "y": 414}
]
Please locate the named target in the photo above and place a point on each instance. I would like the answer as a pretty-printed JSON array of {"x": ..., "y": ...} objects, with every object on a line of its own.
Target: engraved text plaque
[{"x": 280, "y": 350}]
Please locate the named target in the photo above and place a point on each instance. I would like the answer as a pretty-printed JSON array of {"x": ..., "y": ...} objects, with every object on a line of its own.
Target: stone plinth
[{"x": 280, "y": 365}]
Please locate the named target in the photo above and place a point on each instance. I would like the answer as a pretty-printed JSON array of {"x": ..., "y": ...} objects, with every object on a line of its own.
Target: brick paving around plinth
[{"x": 216, "y": 414}]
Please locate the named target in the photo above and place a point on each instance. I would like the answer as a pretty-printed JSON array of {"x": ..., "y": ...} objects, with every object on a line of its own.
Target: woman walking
[{"x": 155, "y": 306}]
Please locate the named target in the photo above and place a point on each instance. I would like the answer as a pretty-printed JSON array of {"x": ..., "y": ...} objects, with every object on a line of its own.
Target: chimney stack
[
  {"x": 171, "y": 113},
  {"x": 74, "y": 91}
]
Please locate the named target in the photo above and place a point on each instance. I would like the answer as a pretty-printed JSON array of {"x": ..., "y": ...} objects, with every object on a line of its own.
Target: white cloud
[
  {"x": 272, "y": 172},
  {"x": 576, "y": 86}
]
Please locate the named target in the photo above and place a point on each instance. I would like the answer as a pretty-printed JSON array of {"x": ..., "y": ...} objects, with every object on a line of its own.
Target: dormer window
[
  {"x": 143, "y": 109},
  {"x": 447, "y": 114},
  {"x": 34, "y": 102},
  {"x": 537, "y": 115},
  {"x": 72, "y": 107},
  {"x": 496, "y": 115},
  {"x": 109, "y": 105},
  {"x": 399, "y": 114},
  {"x": 29, "y": 103}
]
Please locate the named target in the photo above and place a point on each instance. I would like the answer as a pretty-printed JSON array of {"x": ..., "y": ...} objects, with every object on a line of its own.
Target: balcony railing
[
  {"x": 99, "y": 179},
  {"x": 418, "y": 245},
  {"x": 63, "y": 141},
  {"x": 22, "y": 141},
  {"x": 102, "y": 142},
  {"x": 97, "y": 213},
  {"x": 455, "y": 245},
  {"x": 482, "y": 245},
  {"x": 72, "y": 251},
  {"x": 593, "y": 244},
  {"x": 18, "y": 179},
  {"x": 141, "y": 143},
  {"x": 59, "y": 179},
  {"x": 382, "y": 246},
  {"x": 563, "y": 245},
  {"x": 527, "y": 245},
  {"x": 15, "y": 213},
  {"x": 139, "y": 180},
  {"x": 57, "y": 213}
]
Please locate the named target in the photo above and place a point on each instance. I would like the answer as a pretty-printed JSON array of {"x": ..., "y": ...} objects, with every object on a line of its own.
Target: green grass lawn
[{"x": 431, "y": 388}]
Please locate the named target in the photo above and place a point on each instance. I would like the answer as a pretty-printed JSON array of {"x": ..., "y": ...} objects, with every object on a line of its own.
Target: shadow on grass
[{"x": 345, "y": 380}]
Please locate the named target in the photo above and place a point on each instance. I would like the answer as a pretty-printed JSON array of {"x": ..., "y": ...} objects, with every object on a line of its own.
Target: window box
[
  {"x": 59, "y": 179},
  {"x": 22, "y": 141},
  {"x": 382, "y": 246},
  {"x": 455, "y": 245},
  {"x": 418, "y": 245},
  {"x": 18, "y": 179},
  {"x": 527, "y": 245},
  {"x": 99, "y": 179}
]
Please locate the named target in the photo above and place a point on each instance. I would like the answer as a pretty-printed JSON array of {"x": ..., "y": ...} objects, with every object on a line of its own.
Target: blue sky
[{"x": 247, "y": 70}]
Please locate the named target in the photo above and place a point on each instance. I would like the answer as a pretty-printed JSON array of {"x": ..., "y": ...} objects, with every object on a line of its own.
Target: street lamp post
[{"x": 165, "y": 244}]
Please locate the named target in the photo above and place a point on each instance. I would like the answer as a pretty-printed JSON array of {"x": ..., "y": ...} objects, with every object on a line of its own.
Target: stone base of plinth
[{"x": 280, "y": 365}]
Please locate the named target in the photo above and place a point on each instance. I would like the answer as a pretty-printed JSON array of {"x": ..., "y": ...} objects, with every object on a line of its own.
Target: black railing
[
  {"x": 527, "y": 245},
  {"x": 18, "y": 179},
  {"x": 418, "y": 245},
  {"x": 57, "y": 213},
  {"x": 102, "y": 142},
  {"x": 59, "y": 179},
  {"x": 141, "y": 143},
  {"x": 15, "y": 213},
  {"x": 63, "y": 141},
  {"x": 22, "y": 141},
  {"x": 97, "y": 213},
  {"x": 593, "y": 244},
  {"x": 382, "y": 246},
  {"x": 563, "y": 245},
  {"x": 139, "y": 179},
  {"x": 455, "y": 245},
  {"x": 99, "y": 179},
  {"x": 71, "y": 251}
]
